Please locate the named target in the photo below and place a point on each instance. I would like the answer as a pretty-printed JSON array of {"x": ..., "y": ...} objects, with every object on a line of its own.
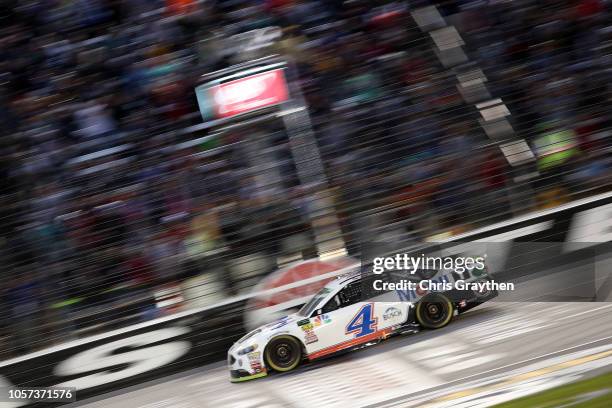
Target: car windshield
[{"x": 312, "y": 304}]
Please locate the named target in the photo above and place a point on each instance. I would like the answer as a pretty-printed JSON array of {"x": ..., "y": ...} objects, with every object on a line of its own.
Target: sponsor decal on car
[
  {"x": 307, "y": 327},
  {"x": 323, "y": 319},
  {"x": 310, "y": 337},
  {"x": 254, "y": 356},
  {"x": 392, "y": 312},
  {"x": 255, "y": 361}
]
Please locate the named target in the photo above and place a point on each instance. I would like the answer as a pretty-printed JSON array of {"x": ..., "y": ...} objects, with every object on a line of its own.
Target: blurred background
[{"x": 120, "y": 204}]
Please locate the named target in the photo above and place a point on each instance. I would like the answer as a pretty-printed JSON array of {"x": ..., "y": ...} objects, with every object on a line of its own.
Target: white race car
[{"x": 337, "y": 319}]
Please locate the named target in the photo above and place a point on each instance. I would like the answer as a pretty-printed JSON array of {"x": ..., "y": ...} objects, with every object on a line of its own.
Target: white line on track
[{"x": 585, "y": 312}]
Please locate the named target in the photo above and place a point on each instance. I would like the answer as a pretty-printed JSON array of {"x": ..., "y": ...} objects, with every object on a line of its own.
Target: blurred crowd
[{"x": 110, "y": 190}]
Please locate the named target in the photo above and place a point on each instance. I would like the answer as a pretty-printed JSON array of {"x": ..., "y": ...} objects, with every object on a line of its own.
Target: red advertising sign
[{"x": 249, "y": 93}]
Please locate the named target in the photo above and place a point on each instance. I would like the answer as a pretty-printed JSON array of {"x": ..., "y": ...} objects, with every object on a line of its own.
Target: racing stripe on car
[{"x": 350, "y": 343}]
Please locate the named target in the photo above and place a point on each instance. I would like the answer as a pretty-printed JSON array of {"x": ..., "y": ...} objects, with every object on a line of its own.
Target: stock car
[{"x": 342, "y": 316}]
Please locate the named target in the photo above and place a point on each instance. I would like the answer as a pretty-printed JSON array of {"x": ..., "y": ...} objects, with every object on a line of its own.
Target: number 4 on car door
[{"x": 364, "y": 322}]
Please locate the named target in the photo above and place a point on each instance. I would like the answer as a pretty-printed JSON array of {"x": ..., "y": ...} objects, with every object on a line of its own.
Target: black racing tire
[
  {"x": 434, "y": 311},
  {"x": 283, "y": 353}
]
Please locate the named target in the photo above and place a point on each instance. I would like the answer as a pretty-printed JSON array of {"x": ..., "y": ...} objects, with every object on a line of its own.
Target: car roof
[{"x": 343, "y": 280}]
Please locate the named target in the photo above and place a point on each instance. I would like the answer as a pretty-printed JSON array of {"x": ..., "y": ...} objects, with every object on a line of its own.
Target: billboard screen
[{"x": 243, "y": 95}]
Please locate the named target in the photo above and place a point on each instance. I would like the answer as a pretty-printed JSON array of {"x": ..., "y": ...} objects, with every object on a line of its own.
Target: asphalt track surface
[{"x": 494, "y": 353}]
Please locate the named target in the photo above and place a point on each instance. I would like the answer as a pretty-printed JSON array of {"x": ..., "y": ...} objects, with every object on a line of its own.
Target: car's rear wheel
[
  {"x": 434, "y": 311},
  {"x": 283, "y": 353}
]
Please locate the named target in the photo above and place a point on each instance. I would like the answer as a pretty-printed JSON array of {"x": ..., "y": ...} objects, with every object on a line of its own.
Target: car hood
[
  {"x": 282, "y": 322},
  {"x": 269, "y": 328}
]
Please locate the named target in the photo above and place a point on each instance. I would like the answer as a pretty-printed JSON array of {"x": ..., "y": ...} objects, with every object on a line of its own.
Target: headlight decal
[{"x": 247, "y": 350}]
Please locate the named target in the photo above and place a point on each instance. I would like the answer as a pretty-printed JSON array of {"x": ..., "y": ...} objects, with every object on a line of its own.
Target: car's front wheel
[
  {"x": 434, "y": 311},
  {"x": 283, "y": 353}
]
